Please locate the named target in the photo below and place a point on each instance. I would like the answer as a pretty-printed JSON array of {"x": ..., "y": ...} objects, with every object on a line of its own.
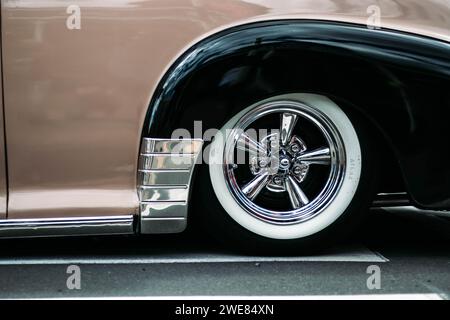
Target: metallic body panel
[{"x": 76, "y": 100}]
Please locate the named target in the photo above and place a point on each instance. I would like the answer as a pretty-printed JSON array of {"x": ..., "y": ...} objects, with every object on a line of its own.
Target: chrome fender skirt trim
[
  {"x": 164, "y": 180},
  {"x": 18, "y": 228}
]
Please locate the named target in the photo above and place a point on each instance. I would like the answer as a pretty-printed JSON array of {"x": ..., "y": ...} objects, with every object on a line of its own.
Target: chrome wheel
[
  {"x": 285, "y": 168},
  {"x": 284, "y": 162}
]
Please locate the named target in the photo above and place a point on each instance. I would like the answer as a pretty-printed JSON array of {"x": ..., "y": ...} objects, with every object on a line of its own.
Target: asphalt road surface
[{"x": 410, "y": 250}]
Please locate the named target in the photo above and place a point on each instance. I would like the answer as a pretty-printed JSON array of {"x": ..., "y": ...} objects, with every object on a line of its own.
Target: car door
[{"x": 68, "y": 131}]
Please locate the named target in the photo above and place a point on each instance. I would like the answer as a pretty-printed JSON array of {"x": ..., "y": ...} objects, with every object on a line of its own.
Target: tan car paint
[{"x": 75, "y": 100}]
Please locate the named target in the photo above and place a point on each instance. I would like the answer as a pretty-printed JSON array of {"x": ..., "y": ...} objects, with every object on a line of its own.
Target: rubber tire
[{"x": 219, "y": 224}]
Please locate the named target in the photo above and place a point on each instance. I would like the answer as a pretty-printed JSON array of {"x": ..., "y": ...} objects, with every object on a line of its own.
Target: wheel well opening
[{"x": 218, "y": 90}]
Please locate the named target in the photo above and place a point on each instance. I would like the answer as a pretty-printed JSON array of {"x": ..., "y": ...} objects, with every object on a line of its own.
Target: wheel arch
[{"x": 393, "y": 59}]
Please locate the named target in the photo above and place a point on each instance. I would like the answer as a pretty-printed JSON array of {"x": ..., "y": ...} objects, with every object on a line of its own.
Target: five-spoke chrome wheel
[
  {"x": 286, "y": 167},
  {"x": 277, "y": 167}
]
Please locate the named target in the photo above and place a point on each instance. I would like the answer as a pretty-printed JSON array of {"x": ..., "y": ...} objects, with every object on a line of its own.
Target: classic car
[{"x": 273, "y": 125}]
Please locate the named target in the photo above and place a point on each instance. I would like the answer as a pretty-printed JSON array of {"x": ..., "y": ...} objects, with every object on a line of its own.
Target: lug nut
[
  {"x": 262, "y": 163},
  {"x": 277, "y": 180},
  {"x": 295, "y": 148},
  {"x": 297, "y": 170}
]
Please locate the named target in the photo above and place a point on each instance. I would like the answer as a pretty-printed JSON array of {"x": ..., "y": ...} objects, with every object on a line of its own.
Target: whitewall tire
[{"x": 299, "y": 212}]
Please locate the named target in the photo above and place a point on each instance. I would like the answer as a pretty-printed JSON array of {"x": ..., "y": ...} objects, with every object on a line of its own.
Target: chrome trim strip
[
  {"x": 174, "y": 209},
  {"x": 163, "y": 225},
  {"x": 164, "y": 178},
  {"x": 168, "y": 146},
  {"x": 151, "y": 161},
  {"x": 412, "y": 209},
  {"x": 392, "y": 194},
  {"x": 163, "y": 193},
  {"x": 392, "y": 199},
  {"x": 18, "y": 228}
]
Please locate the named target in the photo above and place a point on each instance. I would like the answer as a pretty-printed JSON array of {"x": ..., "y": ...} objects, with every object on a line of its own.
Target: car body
[{"x": 81, "y": 103}]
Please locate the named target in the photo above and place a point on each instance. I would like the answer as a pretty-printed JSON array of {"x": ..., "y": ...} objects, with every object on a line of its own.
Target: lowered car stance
[{"x": 272, "y": 126}]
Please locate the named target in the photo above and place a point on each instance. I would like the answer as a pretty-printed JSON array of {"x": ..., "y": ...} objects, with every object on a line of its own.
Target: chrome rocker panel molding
[
  {"x": 22, "y": 228},
  {"x": 165, "y": 171}
]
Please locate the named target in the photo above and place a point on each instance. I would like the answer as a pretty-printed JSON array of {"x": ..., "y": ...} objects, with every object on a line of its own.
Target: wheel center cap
[{"x": 285, "y": 163}]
